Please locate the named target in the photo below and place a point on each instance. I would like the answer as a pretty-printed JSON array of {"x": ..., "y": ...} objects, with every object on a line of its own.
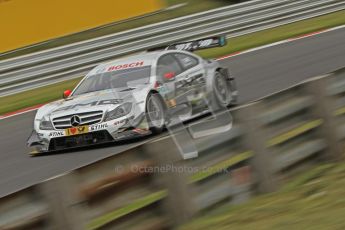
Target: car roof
[{"x": 147, "y": 58}]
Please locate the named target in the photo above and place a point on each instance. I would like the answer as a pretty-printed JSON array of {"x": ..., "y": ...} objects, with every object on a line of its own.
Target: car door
[
  {"x": 193, "y": 76},
  {"x": 172, "y": 77}
]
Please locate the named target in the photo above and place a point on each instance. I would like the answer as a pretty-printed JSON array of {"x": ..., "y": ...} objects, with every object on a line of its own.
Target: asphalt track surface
[{"x": 258, "y": 74}]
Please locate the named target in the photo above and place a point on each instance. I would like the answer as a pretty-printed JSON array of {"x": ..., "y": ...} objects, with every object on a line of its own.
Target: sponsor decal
[
  {"x": 98, "y": 127},
  {"x": 77, "y": 130},
  {"x": 57, "y": 134},
  {"x": 126, "y": 66},
  {"x": 141, "y": 131},
  {"x": 162, "y": 89},
  {"x": 199, "y": 44},
  {"x": 120, "y": 122},
  {"x": 196, "y": 97},
  {"x": 94, "y": 103},
  {"x": 187, "y": 62},
  {"x": 190, "y": 81},
  {"x": 171, "y": 103}
]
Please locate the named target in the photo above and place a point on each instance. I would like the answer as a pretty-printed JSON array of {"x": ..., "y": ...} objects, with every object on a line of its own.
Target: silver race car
[{"x": 133, "y": 97}]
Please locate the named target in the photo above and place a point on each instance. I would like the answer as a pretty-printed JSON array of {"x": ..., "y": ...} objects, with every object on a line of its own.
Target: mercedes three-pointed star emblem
[{"x": 75, "y": 120}]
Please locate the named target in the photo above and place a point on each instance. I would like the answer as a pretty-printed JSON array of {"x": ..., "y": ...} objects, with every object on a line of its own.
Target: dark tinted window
[
  {"x": 187, "y": 61},
  {"x": 114, "y": 80},
  {"x": 168, "y": 64}
]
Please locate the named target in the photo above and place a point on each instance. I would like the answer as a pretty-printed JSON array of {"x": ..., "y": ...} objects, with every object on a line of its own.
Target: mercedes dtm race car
[{"x": 134, "y": 96}]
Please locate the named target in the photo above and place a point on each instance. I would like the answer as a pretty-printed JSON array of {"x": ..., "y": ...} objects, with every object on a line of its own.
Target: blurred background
[{"x": 36, "y": 21}]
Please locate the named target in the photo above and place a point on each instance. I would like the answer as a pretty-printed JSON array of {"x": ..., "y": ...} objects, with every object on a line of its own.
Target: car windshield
[{"x": 126, "y": 78}]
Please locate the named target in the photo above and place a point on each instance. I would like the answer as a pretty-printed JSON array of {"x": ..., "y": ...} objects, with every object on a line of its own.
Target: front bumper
[
  {"x": 81, "y": 140},
  {"x": 115, "y": 130}
]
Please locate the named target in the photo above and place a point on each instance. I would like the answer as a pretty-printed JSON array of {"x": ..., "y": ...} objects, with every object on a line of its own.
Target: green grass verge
[
  {"x": 277, "y": 34},
  {"x": 132, "y": 207},
  {"x": 35, "y": 97},
  {"x": 192, "y": 6},
  {"x": 294, "y": 132},
  {"x": 49, "y": 93},
  {"x": 315, "y": 201},
  {"x": 201, "y": 175}
]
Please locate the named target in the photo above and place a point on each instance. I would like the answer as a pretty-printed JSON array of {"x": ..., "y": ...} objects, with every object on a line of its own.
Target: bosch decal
[{"x": 126, "y": 66}]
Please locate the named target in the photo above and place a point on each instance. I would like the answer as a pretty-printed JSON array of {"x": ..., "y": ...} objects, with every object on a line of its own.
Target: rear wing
[{"x": 200, "y": 44}]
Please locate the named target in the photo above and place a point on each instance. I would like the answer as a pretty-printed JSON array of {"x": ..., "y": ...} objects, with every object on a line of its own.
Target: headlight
[
  {"x": 120, "y": 111},
  {"x": 46, "y": 124}
]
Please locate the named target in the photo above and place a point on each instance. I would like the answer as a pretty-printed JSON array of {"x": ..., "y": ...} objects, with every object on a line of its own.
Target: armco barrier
[
  {"x": 152, "y": 187},
  {"x": 75, "y": 60}
]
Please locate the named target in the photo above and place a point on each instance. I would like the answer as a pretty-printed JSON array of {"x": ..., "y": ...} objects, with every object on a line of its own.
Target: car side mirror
[
  {"x": 170, "y": 76},
  {"x": 67, "y": 93}
]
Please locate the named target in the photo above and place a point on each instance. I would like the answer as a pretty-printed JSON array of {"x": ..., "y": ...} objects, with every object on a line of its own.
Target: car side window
[
  {"x": 187, "y": 61},
  {"x": 166, "y": 64}
]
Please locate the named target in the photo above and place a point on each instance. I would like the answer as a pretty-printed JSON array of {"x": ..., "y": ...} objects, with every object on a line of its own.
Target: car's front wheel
[{"x": 155, "y": 113}]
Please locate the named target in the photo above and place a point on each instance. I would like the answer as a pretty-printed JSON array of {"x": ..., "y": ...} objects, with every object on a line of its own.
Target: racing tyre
[
  {"x": 155, "y": 113},
  {"x": 222, "y": 95}
]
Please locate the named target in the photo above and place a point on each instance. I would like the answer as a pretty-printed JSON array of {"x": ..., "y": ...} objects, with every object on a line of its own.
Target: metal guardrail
[
  {"x": 75, "y": 60},
  {"x": 277, "y": 136}
]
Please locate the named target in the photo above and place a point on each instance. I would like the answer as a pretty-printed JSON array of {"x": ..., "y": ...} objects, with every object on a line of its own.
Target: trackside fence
[{"x": 152, "y": 187}]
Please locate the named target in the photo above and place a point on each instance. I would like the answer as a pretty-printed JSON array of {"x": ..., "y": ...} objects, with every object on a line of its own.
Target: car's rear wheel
[
  {"x": 222, "y": 95},
  {"x": 155, "y": 113}
]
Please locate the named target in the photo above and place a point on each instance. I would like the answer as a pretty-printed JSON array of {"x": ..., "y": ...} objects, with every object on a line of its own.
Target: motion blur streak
[{"x": 258, "y": 74}]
